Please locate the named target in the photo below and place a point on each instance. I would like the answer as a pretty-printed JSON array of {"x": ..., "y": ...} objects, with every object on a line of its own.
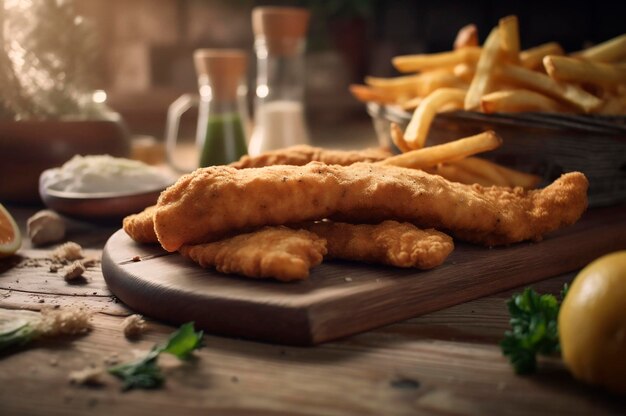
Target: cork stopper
[
  {"x": 282, "y": 28},
  {"x": 222, "y": 68}
]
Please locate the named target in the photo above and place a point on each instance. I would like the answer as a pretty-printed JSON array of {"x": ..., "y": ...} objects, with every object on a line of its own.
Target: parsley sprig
[
  {"x": 534, "y": 329},
  {"x": 146, "y": 373}
]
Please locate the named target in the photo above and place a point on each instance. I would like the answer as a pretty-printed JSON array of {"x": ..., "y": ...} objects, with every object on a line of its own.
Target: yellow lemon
[
  {"x": 592, "y": 323},
  {"x": 10, "y": 237}
]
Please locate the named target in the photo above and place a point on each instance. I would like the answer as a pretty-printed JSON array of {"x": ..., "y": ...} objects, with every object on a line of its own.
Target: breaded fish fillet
[
  {"x": 140, "y": 227},
  {"x": 279, "y": 252},
  {"x": 210, "y": 202},
  {"x": 390, "y": 242},
  {"x": 303, "y": 154}
]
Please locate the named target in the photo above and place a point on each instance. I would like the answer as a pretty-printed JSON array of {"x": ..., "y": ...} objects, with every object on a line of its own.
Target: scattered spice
[
  {"x": 73, "y": 271},
  {"x": 90, "y": 262},
  {"x": 133, "y": 326},
  {"x": 90, "y": 376},
  {"x": 68, "y": 251},
  {"x": 49, "y": 322}
]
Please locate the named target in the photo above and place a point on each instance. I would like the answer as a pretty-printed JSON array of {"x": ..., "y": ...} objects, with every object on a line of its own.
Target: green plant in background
[{"x": 47, "y": 61}]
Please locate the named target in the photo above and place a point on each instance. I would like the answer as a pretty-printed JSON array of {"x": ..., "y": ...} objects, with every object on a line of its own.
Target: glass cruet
[{"x": 280, "y": 41}]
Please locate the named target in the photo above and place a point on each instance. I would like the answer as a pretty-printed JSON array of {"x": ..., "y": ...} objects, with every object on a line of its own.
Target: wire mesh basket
[{"x": 547, "y": 144}]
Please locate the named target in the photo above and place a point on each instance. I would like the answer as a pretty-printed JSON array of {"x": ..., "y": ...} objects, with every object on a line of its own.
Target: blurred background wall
[{"x": 146, "y": 45}]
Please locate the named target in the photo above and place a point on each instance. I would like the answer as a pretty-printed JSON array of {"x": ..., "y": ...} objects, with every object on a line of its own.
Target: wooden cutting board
[{"x": 342, "y": 298}]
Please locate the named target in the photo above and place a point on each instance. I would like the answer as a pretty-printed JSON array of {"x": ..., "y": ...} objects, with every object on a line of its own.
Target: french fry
[
  {"x": 542, "y": 83},
  {"x": 454, "y": 150},
  {"x": 441, "y": 78},
  {"x": 411, "y": 105},
  {"x": 404, "y": 87},
  {"x": 466, "y": 37},
  {"x": 425, "y": 62},
  {"x": 482, "y": 168},
  {"x": 496, "y": 174},
  {"x": 455, "y": 173},
  {"x": 533, "y": 58},
  {"x": 464, "y": 72},
  {"x": 563, "y": 68},
  {"x": 509, "y": 38},
  {"x": 394, "y": 82},
  {"x": 484, "y": 70},
  {"x": 417, "y": 130},
  {"x": 511, "y": 101},
  {"x": 398, "y": 138},
  {"x": 366, "y": 93},
  {"x": 613, "y": 50},
  {"x": 614, "y": 106}
]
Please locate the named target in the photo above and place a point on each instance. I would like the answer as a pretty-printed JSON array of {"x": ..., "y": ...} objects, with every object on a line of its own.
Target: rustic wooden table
[{"x": 447, "y": 362}]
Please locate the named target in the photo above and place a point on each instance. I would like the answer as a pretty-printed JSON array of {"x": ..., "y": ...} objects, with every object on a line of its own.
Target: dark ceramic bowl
[{"x": 96, "y": 207}]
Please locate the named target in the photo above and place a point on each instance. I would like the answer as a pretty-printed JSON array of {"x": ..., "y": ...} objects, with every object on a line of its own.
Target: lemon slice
[{"x": 10, "y": 236}]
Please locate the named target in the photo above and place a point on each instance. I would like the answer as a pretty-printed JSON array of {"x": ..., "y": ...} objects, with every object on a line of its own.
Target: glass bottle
[
  {"x": 221, "y": 82},
  {"x": 280, "y": 41},
  {"x": 220, "y": 135}
]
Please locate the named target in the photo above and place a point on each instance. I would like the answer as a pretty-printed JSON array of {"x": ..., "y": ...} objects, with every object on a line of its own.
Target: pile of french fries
[{"x": 498, "y": 77}]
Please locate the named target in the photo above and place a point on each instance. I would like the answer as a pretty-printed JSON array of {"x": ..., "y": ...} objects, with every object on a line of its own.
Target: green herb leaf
[
  {"x": 533, "y": 329},
  {"x": 145, "y": 373},
  {"x": 182, "y": 342},
  {"x": 18, "y": 336}
]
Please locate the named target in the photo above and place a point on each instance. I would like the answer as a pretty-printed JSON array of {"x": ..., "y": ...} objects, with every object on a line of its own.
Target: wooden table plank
[{"x": 442, "y": 362}]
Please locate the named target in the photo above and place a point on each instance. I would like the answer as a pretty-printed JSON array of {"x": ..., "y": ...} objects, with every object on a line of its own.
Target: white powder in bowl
[{"x": 104, "y": 174}]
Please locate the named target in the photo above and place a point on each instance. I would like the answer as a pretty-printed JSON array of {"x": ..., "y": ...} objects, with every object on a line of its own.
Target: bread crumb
[
  {"x": 112, "y": 359},
  {"x": 45, "y": 227},
  {"x": 67, "y": 321},
  {"x": 133, "y": 326},
  {"x": 90, "y": 261},
  {"x": 69, "y": 251},
  {"x": 90, "y": 376},
  {"x": 73, "y": 271}
]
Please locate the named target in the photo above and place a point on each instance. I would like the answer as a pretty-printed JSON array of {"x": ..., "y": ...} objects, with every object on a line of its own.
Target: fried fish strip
[
  {"x": 210, "y": 202},
  {"x": 303, "y": 154},
  {"x": 140, "y": 226},
  {"x": 279, "y": 252},
  {"x": 390, "y": 242}
]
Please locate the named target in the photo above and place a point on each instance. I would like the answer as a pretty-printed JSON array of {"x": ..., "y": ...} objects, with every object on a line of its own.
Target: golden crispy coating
[
  {"x": 140, "y": 227},
  {"x": 303, "y": 154},
  {"x": 210, "y": 202},
  {"x": 390, "y": 242},
  {"x": 279, "y": 252}
]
